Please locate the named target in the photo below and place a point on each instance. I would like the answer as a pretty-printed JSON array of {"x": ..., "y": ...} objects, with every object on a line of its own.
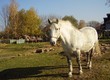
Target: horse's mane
[{"x": 68, "y": 23}]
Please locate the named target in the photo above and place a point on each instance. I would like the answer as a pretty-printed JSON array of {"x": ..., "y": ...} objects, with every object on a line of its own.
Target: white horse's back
[
  {"x": 90, "y": 33},
  {"x": 91, "y": 39}
]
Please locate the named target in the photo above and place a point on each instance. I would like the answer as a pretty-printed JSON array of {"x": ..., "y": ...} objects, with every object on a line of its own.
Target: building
[
  {"x": 107, "y": 22},
  {"x": 105, "y": 27}
]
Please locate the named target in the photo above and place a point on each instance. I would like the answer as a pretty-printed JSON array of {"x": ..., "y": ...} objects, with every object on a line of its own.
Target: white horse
[{"x": 74, "y": 41}]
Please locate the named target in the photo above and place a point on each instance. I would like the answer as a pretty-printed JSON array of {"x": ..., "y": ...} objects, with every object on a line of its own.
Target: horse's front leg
[
  {"x": 79, "y": 61},
  {"x": 70, "y": 66}
]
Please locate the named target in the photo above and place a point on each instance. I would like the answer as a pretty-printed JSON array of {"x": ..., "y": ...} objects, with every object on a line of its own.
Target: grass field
[{"x": 20, "y": 62}]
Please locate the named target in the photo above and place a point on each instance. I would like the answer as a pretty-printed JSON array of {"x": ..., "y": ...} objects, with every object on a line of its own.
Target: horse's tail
[{"x": 97, "y": 49}]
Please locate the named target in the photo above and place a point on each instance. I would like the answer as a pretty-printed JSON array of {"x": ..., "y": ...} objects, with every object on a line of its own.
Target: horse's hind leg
[
  {"x": 89, "y": 58},
  {"x": 70, "y": 66},
  {"x": 91, "y": 54}
]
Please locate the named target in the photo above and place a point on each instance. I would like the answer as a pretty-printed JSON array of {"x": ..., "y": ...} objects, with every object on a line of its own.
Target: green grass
[
  {"x": 105, "y": 40},
  {"x": 20, "y": 62}
]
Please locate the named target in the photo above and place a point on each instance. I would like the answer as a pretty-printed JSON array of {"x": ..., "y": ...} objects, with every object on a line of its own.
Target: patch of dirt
[{"x": 104, "y": 47}]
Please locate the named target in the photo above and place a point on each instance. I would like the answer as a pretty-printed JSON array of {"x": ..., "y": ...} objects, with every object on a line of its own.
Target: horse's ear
[
  {"x": 57, "y": 21},
  {"x": 49, "y": 21}
]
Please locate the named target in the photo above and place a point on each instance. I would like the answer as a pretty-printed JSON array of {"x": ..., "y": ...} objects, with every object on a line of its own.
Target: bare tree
[
  {"x": 81, "y": 24},
  {"x": 107, "y": 2},
  {"x": 44, "y": 19},
  {"x": 94, "y": 24},
  {"x": 4, "y": 14}
]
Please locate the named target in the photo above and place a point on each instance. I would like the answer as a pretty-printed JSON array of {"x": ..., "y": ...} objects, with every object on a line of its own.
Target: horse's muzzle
[{"x": 52, "y": 43}]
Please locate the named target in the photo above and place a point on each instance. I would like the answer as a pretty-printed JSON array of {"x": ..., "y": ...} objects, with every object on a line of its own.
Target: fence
[{"x": 12, "y": 41}]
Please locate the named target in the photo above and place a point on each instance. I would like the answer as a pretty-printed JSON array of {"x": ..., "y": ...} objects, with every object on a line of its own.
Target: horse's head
[{"x": 54, "y": 31}]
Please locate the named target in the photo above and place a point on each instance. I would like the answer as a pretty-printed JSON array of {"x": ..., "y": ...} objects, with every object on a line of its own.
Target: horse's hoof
[
  {"x": 70, "y": 74},
  {"x": 89, "y": 68},
  {"x": 81, "y": 72}
]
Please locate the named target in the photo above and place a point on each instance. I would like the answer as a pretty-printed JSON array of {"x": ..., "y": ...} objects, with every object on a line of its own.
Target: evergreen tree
[{"x": 71, "y": 19}]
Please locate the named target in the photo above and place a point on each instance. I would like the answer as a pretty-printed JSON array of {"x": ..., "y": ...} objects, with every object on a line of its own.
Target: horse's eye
[{"x": 57, "y": 28}]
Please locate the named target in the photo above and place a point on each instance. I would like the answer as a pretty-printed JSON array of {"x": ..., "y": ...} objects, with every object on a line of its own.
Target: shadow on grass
[{"x": 31, "y": 72}]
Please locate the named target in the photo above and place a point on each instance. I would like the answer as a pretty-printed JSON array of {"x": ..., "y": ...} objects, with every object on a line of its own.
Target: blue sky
[{"x": 87, "y": 10}]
